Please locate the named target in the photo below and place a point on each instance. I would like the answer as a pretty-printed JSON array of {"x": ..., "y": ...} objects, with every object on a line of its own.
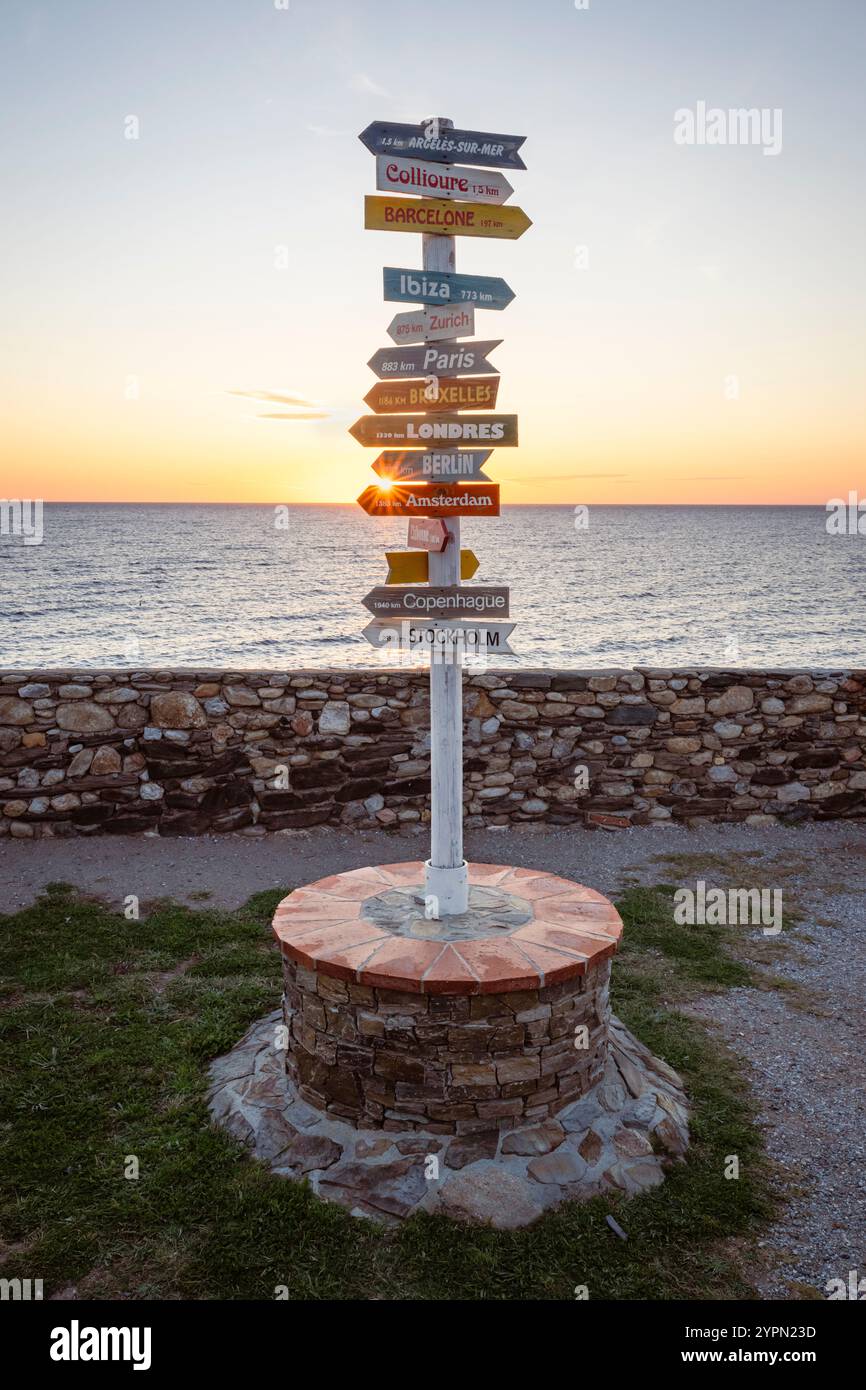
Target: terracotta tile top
[{"x": 524, "y": 928}]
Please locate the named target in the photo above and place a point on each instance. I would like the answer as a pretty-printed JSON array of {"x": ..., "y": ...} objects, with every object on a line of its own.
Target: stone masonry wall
[
  {"x": 187, "y": 752},
  {"x": 447, "y": 1063}
]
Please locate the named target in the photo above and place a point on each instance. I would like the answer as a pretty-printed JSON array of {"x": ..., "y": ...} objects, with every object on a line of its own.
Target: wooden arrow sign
[
  {"x": 429, "y": 533},
  {"x": 437, "y": 601},
  {"x": 428, "y": 325},
  {"x": 415, "y": 466},
  {"x": 432, "y": 499},
  {"x": 413, "y": 566},
  {"x": 438, "y": 217},
  {"x": 490, "y": 639},
  {"x": 448, "y": 431},
  {"x": 434, "y": 393},
  {"x": 396, "y": 175},
  {"x": 457, "y": 359},
  {"x": 444, "y": 146},
  {"x": 446, "y": 287}
]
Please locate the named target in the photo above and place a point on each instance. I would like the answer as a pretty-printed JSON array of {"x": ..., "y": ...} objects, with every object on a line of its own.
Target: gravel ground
[{"x": 804, "y": 1048}]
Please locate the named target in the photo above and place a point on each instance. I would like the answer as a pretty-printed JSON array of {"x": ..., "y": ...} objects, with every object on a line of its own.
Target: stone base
[{"x": 620, "y": 1135}]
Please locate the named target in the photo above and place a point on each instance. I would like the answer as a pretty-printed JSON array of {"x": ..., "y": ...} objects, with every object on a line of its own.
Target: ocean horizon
[{"x": 280, "y": 585}]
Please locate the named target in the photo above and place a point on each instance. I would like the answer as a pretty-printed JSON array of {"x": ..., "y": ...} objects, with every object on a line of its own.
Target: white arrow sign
[
  {"x": 401, "y": 175},
  {"x": 428, "y": 325},
  {"x": 441, "y": 638}
]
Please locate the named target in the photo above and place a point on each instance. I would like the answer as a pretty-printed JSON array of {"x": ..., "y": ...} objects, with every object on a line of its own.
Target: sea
[{"x": 256, "y": 587}]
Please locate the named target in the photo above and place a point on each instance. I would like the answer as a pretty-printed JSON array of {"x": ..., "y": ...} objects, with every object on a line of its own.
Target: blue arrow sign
[
  {"x": 444, "y": 145},
  {"x": 446, "y": 287}
]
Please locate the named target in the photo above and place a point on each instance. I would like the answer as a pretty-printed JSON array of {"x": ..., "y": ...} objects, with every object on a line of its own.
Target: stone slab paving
[{"x": 620, "y": 1135}]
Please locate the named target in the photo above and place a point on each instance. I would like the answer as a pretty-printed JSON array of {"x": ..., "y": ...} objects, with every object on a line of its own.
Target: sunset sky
[{"x": 158, "y": 290}]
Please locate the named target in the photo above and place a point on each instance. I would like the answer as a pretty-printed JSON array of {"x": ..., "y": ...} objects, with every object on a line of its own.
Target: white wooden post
[{"x": 446, "y": 874}]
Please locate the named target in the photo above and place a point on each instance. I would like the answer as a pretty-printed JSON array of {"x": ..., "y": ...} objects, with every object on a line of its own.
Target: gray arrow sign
[
  {"x": 444, "y": 145},
  {"x": 427, "y": 601},
  {"x": 415, "y": 467},
  {"x": 446, "y": 359},
  {"x": 443, "y": 638}
]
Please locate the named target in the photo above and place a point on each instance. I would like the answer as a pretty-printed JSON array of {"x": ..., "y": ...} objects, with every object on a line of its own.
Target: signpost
[
  {"x": 417, "y": 467},
  {"x": 456, "y": 359},
  {"x": 446, "y": 430},
  {"x": 426, "y": 325},
  {"x": 438, "y": 140},
  {"x": 465, "y": 204},
  {"x": 432, "y": 499},
  {"x": 430, "y": 533},
  {"x": 446, "y": 287},
  {"x": 447, "y": 639},
  {"x": 434, "y": 393},
  {"x": 413, "y": 567},
  {"x": 437, "y": 601},
  {"x": 440, "y": 217},
  {"x": 400, "y": 175}
]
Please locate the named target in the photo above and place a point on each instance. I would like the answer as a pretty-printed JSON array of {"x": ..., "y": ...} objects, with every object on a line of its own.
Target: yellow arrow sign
[
  {"x": 439, "y": 217},
  {"x": 412, "y": 566}
]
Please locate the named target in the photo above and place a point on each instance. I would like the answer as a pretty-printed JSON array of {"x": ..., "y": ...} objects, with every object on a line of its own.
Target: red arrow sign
[
  {"x": 427, "y": 533},
  {"x": 432, "y": 499}
]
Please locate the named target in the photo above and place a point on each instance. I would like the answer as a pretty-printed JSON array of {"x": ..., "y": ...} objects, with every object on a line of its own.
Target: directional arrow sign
[
  {"x": 437, "y": 601},
  {"x": 438, "y": 217},
  {"x": 446, "y": 287},
  {"x": 452, "y": 359},
  {"x": 428, "y": 141},
  {"x": 435, "y": 393},
  {"x": 448, "y": 431},
  {"x": 413, "y": 566},
  {"x": 395, "y": 175},
  {"x": 441, "y": 637},
  {"x": 465, "y": 465},
  {"x": 432, "y": 499},
  {"x": 426, "y": 325},
  {"x": 428, "y": 532}
]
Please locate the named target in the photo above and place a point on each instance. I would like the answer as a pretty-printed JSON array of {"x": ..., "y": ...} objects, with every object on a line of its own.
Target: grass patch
[{"x": 107, "y": 1029}]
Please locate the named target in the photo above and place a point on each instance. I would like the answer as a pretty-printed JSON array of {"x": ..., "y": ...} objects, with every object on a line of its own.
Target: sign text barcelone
[{"x": 439, "y": 217}]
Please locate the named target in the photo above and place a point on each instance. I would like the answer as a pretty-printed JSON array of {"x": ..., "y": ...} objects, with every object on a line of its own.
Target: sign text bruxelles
[
  {"x": 421, "y": 430},
  {"x": 432, "y": 499},
  {"x": 434, "y": 393}
]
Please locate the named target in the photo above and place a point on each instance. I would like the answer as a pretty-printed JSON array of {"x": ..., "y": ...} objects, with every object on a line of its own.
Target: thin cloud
[
  {"x": 365, "y": 86},
  {"x": 559, "y": 478},
  {"x": 308, "y": 415},
  {"x": 277, "y": 397}
]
